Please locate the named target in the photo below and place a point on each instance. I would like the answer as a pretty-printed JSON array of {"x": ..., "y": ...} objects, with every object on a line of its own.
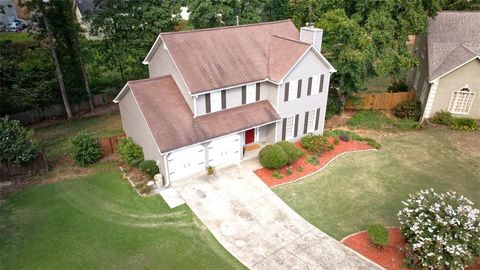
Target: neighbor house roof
[
  {"x": 228, "y": 56},
  {"x": 453, "y": 40},
  {"x": 171, "y": 120},
  {"x": 85, "y": 5}
]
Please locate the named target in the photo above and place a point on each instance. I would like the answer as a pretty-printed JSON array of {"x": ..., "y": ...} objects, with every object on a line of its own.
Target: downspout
[{"x": 166, "y": 177}]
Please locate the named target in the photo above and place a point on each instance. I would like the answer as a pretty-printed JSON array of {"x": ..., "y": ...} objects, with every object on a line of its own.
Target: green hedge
[
  {"x": 292, "y": 151},
  {"x": 378, "y": 235},
  {"x": 464, "y": 123},
  {"x": 149, "y": 167},
  {"x": 411, "y": 109},
  {"x": 272, "y": 157},
  {"x": 17, "y": 144},
  {"x": 130, "y": 152}
]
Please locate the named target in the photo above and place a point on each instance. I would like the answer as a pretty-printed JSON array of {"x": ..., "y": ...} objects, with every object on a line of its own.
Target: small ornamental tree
[
  {"x": 130, "y": 152},
  {"x": 17, "y": 145},
  {"x": 442, "y": 231}
]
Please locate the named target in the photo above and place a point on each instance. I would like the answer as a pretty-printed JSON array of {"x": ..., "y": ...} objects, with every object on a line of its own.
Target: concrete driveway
[{"x": 257, "y": 227}]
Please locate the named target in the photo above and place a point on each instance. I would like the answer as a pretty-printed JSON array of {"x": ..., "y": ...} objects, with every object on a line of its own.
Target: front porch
[{"x": 254, "y": 139}]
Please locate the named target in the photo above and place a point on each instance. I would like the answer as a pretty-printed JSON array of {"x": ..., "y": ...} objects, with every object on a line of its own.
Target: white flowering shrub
[{"x": 442, "y": 231}]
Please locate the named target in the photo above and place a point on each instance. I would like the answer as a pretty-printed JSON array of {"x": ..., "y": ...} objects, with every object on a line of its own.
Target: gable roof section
[
  {"x": 283, "y": 53},
  {"x": 171, "y": 120},
  {"x": 453, "y": 40}
]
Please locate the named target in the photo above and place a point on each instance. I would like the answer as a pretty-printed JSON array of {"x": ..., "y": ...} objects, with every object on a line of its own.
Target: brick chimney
[{"x": 312, "y": 35}]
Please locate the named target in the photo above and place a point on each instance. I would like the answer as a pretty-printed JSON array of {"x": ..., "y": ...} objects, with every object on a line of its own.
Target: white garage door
[
  {"x": 186, "y": 162},
  {"x": 224, "y": 151}
]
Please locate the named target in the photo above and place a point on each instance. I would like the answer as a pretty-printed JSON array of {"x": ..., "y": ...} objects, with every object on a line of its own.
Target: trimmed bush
[
  {"x": 292, "y": 151},
  {"x": 316, "y": 144},
  {"x": 411, "y": 109},
  {"x": 17, "y": 145},
  {"x": 277, "y": 175},
  {"x": 273, "y": 157},
  {"x": 441, "y": 230},
  {"x": 464, "y": 123},
  {"x": 86, "y": 150},
  {"x": 378, "y": 235},
  {"x": 443, "y": 118},
  {"x": 149, "y": 167},
  {"x": 130, "y": 152}
]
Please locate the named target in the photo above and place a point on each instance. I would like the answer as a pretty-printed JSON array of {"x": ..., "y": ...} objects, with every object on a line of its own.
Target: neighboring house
[
  {"x": 82, "y": 7},
  {"x": 214, "y": 91},
  {"x": 448, "y": 75},
  {"x": 9, "y": 12}
]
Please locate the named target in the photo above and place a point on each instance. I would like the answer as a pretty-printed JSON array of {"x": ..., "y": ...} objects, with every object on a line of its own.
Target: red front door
[{"x": 249, "y": 136}]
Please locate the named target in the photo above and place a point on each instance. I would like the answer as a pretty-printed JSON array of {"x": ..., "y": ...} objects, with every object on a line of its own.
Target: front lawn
[
  {"x": 98, "y": 222},
  {"x": 359, "y": 189}
]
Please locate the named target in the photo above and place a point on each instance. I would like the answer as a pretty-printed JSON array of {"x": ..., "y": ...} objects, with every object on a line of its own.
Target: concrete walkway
[{"x": 258, "y": 228}]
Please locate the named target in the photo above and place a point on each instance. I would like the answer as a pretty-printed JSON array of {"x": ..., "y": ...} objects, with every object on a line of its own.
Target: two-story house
[{"x": 214, "y": 92}]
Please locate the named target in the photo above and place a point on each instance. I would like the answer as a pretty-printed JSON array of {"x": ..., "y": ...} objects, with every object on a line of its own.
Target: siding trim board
[
  {"x": 207, "y": 103},
  {"x": 309, "y": 87},
  {"x": 317, "y": 118}
]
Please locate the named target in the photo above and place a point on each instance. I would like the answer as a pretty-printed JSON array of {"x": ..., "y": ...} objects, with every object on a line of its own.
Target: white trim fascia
[
  {"x": 452, "y": 70},
  {"x": 166, "y": 177},
  {"x": 430, "y": 99},
  {"x": 331, "y": 69},
  {"x": 121, "y": 93},
  {"x": 230, "y": 87},
  {"x": 146, "y": 122},
  {"x": 219, "y": 137},
  {"x": 195, "y": 107},
  {"x": 152, "y": 50}
]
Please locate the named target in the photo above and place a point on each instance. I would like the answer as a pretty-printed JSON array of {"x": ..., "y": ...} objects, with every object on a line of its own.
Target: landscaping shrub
[
  {"x": 289, "y": 170},
  {"x": 464, "y": 123},
  {"x": 149, "y": 167},
  {"x": 292, "y": 151},
  {"x": 336, "y": 141},
  {"x": 277, "y": 175},
  {"x": 378, "y": 235},
  {"x": 334, "y": 103},
  {"x": 300, "y": 168},
  {"x": 273, "y": 157},
  {"x": 353, "y": 136},
  {"x": 411, "y": 109},
  {"x": 16, "y": 142},
  {"x": 344, "y": 138},
  {"x": 313, "y": 160},
  {"x": 316, "y": 144},
  {"x": 398, "y": 86},
  {"x": 443, "y": 118},
  {"x": 130, "y": 152},
  {"x": 442, "y": 231},
  {"x": 86, "y": 150},
  {"x": 210, "y": 170}
]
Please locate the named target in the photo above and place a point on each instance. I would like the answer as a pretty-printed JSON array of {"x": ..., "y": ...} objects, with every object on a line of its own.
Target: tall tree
[
  {"x": 274, "y": 10},
  {"x": 462, "y": 5},
  {"x": 127, "y": 29},
  {"x": 213, "y": 13}
]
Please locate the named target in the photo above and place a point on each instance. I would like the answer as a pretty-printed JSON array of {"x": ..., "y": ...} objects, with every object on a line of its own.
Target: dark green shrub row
[
  {"x": 16, "y": 142},
  {"x": 86, "y": 150},
  {"x": 349, "y": 135},
  {"x": 280, "y": 154},
  {"x": 378, "y": 235},
  {"x": 457, "y": 123},
  {"x": 292, "y": 151},
  {"x": 411, "y": 109},
  {"x": 130, "y": 152},
  {"x": 443, "y": 118},
  {"x": 316, "y": 144},
  {"x": 149, "y": 167}
]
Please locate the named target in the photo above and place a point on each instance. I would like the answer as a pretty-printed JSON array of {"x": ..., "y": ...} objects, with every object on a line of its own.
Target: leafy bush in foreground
[
  {"x": 442, "y": 118},
  {"x": 16, "y": 142},
  {"x": 464, "y": 123},
  {"x": 411, "y": 109},
  {"x": 86, "y": 150},
  {"x": 130, "y": 152},
  {"x": 442, "y": 231},
  {"x": 149, "y": 167},
  {"x": 316, "y": 144},
  {"x": 378, "y": 235},
  {"x": 272, "y": 157},
  {"x": 292, "y": 151}
]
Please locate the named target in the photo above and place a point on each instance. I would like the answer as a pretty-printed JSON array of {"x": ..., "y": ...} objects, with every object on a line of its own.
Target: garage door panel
[
  {"x": 186, "y": 162},
  {"x": 224, "y": 151}
]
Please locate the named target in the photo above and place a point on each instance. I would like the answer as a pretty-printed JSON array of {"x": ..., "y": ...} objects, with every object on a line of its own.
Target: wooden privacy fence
[
  {"x": 39, "y": 164},
  {"x": 382, "y": 101},
  {"x": 109, "y": 144}
]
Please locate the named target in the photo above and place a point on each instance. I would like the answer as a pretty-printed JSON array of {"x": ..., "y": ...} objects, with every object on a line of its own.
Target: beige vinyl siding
[
  {"x": 136, "y": 128},
  {"x": 268, "y": 91},
  {"x": 162, "y": 64},
  {"x": 234, "y": 97},
  {"x": 469, "y": 74}
]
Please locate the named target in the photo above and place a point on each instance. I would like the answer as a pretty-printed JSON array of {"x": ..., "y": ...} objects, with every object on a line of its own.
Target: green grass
[
  {"x": 16, "y": 37},
  {"x": 378, "y": 84},
  {"x": 55, "y": 139},
  {"x": 98, "y": 222},
  {"x": 376, "y": 120},
  {"x": 361, "y": 189}
]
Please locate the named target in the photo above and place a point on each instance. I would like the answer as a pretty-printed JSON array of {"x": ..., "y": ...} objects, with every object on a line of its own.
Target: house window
[
  {"x": 292, "y": 91},
  {"x": 251, "y": 93},
  {"x": 461, "y": 101},
  {"x": 311, "y": 121},
  {"x": 215, "y": 101},
  {"x": 316, "y": 83},
  {"x": 290, "y": 124}
]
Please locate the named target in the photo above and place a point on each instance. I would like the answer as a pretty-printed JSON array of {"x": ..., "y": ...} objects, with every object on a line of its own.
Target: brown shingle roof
[
  {"x": 227, "y": 56},
  {"x": 453, "y": 39},
  {"x": 171, "y": 120},
  {"x": 283, "y": 54}
]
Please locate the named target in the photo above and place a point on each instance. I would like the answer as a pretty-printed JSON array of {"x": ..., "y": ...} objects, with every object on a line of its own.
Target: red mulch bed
[
  {"x": 266, "y": 174},
  {"x": 390, "y": 257}
]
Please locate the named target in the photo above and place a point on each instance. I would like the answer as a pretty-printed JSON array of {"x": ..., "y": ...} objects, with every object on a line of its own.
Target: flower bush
[
  {"x": 464, "y": 123},
  {"x": 316, "y": 144},
  {"x": 17, "y": 144},
  {"x": 442, "y": 231},
  {"x": 411, "y": 109}
]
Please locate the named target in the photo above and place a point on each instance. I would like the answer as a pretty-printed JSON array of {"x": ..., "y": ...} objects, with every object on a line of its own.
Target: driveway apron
[{"x": 257, "y": 227}]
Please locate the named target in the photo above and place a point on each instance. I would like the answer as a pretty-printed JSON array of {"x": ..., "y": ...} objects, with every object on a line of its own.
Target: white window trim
[
  {"x": 250, "y": 93},
  {"x": 311, "y": 117},
  {"x": 215, "y": 101},
  {"x": 287, "y": 135},
  {"x": 470, "y": 91}
]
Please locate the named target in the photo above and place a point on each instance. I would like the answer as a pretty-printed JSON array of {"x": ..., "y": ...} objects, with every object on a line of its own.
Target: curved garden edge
[{"x": 351, "y": 147}]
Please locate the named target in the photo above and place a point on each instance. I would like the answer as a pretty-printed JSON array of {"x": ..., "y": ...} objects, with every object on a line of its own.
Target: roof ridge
[
  {"x": 224, "y": 27},
  {"x": 291, "y": 39},
  {"x": 150, "y": 79},
  {"x": 447, "y": 58}
]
